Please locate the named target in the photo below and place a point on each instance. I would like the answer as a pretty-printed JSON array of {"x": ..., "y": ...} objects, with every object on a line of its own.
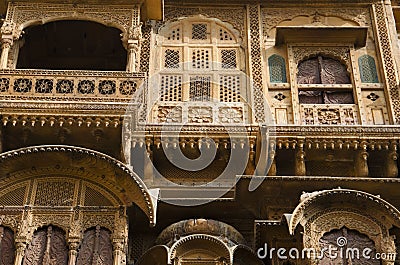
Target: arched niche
[
  {"x": 324, "y": 211},
  {"x": 72, "y": 45}
]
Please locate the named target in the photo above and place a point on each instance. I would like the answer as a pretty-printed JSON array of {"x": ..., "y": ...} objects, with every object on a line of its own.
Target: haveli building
[{"x": 105, "y": 108}]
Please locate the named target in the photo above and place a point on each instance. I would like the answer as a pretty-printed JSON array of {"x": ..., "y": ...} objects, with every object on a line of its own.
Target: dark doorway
[{"x": 72, "y": 45}]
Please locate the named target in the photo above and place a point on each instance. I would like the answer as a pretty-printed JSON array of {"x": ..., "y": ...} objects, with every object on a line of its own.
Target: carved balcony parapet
[
  {"x": 330, "y": 114},
  {"x": 71, "y": 85},
  {"x": 201, "y": 113}
]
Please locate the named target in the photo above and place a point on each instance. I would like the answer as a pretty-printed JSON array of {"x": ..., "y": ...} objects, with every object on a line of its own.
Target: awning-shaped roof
[{"x": 321, "y": 34}]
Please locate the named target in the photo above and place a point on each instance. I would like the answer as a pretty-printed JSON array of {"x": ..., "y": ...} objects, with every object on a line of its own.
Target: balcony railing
[
  {"x": 329, "y": 114},
  {"x": 69, "y": 85}
]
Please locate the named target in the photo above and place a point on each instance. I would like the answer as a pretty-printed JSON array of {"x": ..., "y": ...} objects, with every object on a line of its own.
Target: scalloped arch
[{"x": 124, "y": 183}]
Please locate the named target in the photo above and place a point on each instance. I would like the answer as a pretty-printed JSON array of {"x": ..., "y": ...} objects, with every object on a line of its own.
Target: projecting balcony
[{"x": 69, "y": 85}]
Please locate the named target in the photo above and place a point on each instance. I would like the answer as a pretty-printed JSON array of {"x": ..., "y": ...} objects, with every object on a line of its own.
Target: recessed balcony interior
[{"x": 72, "y": 45}]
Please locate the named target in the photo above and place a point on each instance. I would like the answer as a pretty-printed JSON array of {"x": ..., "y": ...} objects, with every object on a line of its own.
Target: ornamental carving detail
[
  {"x": 234, "y": 16},
  {"x": 123, "y": 17},
  {"x": 271, "y": 17},
  {"x": 96, "y": 248},
  {"x": 48, "y": 246}
]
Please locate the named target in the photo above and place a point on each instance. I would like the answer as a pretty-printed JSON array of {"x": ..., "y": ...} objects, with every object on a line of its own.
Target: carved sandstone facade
[{"x": 111, "y": 110}]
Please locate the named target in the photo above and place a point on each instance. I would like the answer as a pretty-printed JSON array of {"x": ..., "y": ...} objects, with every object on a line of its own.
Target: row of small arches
[
  {"x": 366, "y": 63},
  {"x": 49, "y": 246}
]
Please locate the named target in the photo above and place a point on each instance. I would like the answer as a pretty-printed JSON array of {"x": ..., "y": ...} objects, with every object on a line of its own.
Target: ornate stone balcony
[{"x": 71, "y": 85}]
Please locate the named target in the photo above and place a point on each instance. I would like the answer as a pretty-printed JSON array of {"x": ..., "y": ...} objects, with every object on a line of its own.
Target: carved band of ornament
[
  {"x": 122, "y": 16},
  {"x": 256, "y": 64},
  {"x": 271, "y": 17},
  {"x": 103, "y": 220},
  {"x": 11, "y": 221},
  {"x": 68, "y": 149},
  {"x": 69, "y": 84},
  {"x": 61, "y": 121},
  {"x": 341, "y": 53},
  {"x": 388, "y": 59}
]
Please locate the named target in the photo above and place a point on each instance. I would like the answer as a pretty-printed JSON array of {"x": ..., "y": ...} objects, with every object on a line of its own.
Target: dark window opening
[
  {"x": 322, "y": 70},
  {"x": 72, "y": 45}
]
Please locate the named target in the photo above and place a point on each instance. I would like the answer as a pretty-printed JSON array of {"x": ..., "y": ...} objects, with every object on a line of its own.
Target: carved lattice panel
[
  {"x": 200, "y": 31},
  {"x": 229, "y": 58},
  {"x": 14, "y": 197},
  {"x": 172, "y": 58},
  {"x": 354, "y": 240},
  {"x": 277, "y": 69},
  {"x": 367, "y": 68},
  {"x": 201, "y": 58},
  {"x": 171, "y": 88},
  {"x": 229, "y": 88},
  {"x": 200, "y": 88},
  {"x": 54, "y": 193},
  {"x": 48, "y": 246},
  {"x": 95, "y": 198},
  {"x": 96, "y": 248},
  {"x": 7, "y": 247}
]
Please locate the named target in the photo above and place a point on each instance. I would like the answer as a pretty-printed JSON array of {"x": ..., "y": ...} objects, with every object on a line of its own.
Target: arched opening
[
  {"x": 48, "y": 246},
  {"x": 7, "y": 246},
  {"x": 96, "y": 245},
  {"x": 351, "y": 244},
  {"x": 72, "y": 45},
  {"x": 321, "y": 70}
]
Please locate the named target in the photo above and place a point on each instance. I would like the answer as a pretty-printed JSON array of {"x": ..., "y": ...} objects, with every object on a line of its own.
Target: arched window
[
  {"x": 48, "y": 246},
  {"x": 200, "y": 61},
  {"x": 367, "y": 68},
  {"x": 351, "y": 242},
  {"x": 277, "y": 69},
  {"x": 72, "y": 45},
  {"x": 96, "y": 246},
  {"x": 324, "y": 71},
  {"x": 7, "y": 246}
]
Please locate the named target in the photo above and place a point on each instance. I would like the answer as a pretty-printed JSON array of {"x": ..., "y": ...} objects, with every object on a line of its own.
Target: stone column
[
  {"x": 21, "y": 247},
  {"x": 300, "y": 168},
  {"x": 73, "y": 252},
  {"x": 133, "y": 47},
  {"x": 391, "y": 170},
  {"x": 361, "y": 165},
  {"x": 5, "y": 49},
  {"x": 119, "y": 253}
]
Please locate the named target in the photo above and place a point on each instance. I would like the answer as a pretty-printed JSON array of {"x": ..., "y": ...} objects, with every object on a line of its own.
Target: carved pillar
[
  {"x": 133, "y": 47},
  {"x": 5, "y": 49},
  {"x": 119, "y": 253},
  {"x": 21, "y": 247},
  {"x": 300, "y": 167},
  {"x": 361, "y": 165},
  {"x": 272, "y": 169},
  {"x": 73, "y": 252},
  {"x": 391, "y": 170}
]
